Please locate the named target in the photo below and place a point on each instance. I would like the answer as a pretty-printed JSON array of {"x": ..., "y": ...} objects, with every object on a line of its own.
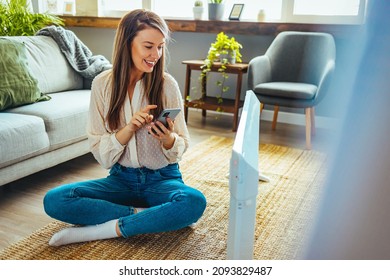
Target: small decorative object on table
[
  {"x": 216, "y": 9},
  {"x": 52, "y": 7},
  {"x": 235, "y": 14},
  {"x": 198, "y": 10},
  {"x": 70, "y": 7},
  {"x": 261, "y": 16}
]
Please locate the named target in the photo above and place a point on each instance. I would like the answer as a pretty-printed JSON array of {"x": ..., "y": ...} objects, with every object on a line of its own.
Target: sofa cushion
[
  {"x": 48, "y": 65},
  {"x": 65, "y": 116},
  {"x": 21, "y": 137},
  {"x": 18, "y": 86}
]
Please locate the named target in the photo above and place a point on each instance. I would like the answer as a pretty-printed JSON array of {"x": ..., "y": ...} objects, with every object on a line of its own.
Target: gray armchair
[{"x": 294, "y": 72}]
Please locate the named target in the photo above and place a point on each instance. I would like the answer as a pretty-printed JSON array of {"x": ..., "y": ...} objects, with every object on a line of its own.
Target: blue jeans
[{"x": 171, "y": 204}]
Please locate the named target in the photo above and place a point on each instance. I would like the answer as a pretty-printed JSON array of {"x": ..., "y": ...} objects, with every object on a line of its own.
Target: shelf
[
  {"x": 209, "y": 26},
  {"x": 211, "y": 103}
]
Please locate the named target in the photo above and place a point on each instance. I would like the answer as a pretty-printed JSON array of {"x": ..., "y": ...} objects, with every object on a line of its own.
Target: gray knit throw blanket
[{"x": 78, "y": 55}]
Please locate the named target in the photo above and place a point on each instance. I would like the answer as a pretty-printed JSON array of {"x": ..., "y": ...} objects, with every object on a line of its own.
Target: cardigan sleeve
[
  {"x": 103, "y": 144},
  {"x": 173, "y": 99}
]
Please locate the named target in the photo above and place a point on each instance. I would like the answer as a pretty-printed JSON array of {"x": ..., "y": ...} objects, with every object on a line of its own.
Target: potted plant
[
  {"x": 17, "y": 19},
  {"x": 216, "y": 9},
  {"x": 225, "y": 50},
  {"x": 198, "y": 10}
]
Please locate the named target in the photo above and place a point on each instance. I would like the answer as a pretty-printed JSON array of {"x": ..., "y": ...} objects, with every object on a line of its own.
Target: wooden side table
[{"x": 211, "y": 103}]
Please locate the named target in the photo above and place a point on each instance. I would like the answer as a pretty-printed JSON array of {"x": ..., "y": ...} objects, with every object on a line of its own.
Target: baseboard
[
  {"x": 292, "y": 118},
  {"x": 300, "y": 119}
]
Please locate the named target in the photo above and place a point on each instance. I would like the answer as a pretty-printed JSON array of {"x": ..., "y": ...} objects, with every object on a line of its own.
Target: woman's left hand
[{"x": 162, "y": 133}]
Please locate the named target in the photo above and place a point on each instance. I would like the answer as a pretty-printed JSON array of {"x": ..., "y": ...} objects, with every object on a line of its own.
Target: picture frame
[
  {"x": 69, "y": 8},
  {"x": 236, "y": 11},
  {"x": 51, "y": 6}
]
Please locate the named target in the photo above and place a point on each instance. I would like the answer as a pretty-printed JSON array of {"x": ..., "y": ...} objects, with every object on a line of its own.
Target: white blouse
[{"x": 142, "y": 150}]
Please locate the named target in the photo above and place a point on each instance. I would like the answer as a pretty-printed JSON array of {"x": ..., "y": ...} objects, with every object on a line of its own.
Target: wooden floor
[{"x": 21, "y": 210}]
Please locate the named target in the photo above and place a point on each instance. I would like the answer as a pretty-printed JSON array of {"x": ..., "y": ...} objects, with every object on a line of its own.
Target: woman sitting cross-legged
[{"x": 144, "y": 191}]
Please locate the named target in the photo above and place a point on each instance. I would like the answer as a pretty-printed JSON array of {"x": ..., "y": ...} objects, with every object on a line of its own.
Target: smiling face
[{"x": 147, "y": 48}]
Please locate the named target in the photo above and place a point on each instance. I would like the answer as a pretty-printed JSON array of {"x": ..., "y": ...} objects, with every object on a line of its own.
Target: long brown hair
[{"x": 153, "y": 82}]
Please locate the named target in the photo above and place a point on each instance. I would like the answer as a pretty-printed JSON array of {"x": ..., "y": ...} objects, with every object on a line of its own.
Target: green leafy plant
[
  {"x": 224, "y": 50},
  {"x": 216, "y": 1},
  {"x": 198, "y": 3},
  {"x": 16, "y": 19}
]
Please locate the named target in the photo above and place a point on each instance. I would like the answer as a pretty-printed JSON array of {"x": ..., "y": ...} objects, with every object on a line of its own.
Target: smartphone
[{"x": 171, "y": 113}]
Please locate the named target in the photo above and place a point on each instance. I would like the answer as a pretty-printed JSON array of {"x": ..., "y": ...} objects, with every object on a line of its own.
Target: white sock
[
  {"x": 139, "y": 209},
  {"x": 83, "y": 234},
  {"x": 193, "y": 225}
]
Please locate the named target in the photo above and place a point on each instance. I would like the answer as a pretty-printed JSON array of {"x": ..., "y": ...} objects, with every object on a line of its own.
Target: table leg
[
  {"x": 187, "y": 92},
  {"x": 204, "y": 92},
  {"x": 237, "y": 101}
]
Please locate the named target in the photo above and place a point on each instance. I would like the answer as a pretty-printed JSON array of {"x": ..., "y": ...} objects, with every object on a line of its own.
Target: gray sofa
[{"x": 43, "y": 134}]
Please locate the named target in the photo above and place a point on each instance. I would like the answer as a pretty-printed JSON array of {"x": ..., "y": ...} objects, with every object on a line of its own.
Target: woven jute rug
[{"x": 286, "y": 208}]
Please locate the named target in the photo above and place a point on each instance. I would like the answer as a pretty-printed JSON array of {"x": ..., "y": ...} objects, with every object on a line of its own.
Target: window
[
  {"x": 175, "y": 9},
  {"x": 299, "y": 11},
  {"x": 117, "y": 8},
  {"x": 327, "y": 8},
  {"x": 327, "y": 11}
]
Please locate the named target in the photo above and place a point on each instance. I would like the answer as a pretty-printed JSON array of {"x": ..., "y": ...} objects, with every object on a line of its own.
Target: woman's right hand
[
  {"x": 138, "y": 120},
  {"x": 141, "y": 118}
]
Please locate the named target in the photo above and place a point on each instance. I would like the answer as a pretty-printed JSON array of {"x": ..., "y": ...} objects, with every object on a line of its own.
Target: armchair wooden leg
[
  {"x": 313, "y": 121},
  {"x": 308, "y": 128},
  {"x": 276, "y": 111},
  {"x": 261, "y": 107}
]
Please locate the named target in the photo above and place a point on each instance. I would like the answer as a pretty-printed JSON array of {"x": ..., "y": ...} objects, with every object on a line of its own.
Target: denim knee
[
  {"x": 51, "y": 203},
  {"x": 199, "y": 201},
  {"x": 193, "y": 204}
]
